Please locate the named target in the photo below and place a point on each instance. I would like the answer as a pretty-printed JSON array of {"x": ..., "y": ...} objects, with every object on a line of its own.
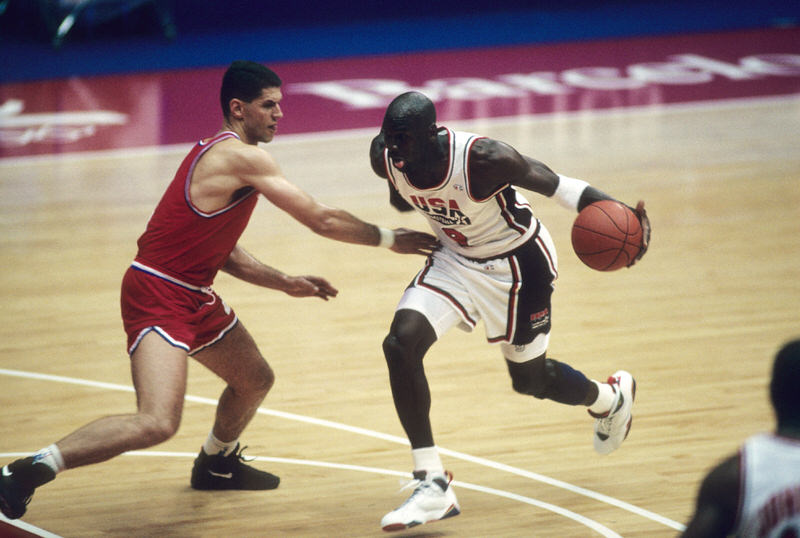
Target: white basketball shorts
[{"x": 453, "y": 290}]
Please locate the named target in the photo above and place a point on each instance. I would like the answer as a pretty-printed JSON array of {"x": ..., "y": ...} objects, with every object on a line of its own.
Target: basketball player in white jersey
[
  {"x": 497, "y": 263},
  {"x": 756, "y": 492}
]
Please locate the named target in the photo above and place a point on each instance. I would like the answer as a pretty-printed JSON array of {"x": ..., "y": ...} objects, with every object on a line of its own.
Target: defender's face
[{"x": 261, "y": 115}]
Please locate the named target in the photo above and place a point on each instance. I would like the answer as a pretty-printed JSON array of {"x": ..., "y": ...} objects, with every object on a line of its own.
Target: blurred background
[{"x": 45, "y": 39}]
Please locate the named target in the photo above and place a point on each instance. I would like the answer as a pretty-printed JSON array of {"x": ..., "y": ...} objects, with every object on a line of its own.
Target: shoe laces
[
  {"x": 231, "y": 462},
  {"x": 417, "y": 481},
  {"x": 240, "y": 455},
  {"x": 421, "y": 482},
  {"x": 605, "y": 424}
]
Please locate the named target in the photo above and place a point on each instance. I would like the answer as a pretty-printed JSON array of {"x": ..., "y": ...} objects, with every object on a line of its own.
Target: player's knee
[
  {"x": 409, "y": 338},
  {"x": 258, "y": 381},
  {"x": 400, "y": 352},
  {"x": 534, "y": 378},
  {"x": 157, "y": 429},
  {"x": 393, "y": 349},
  {"x": 264, "y": 380}
]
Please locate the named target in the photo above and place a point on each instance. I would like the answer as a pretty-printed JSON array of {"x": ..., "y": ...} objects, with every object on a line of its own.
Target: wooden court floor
[{"x": 697, "y": 323}]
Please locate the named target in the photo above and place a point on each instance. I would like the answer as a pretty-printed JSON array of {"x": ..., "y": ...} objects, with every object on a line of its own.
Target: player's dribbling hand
[
  {"x": 413, "y": 242},
  {"x": 645, "y": 222}
]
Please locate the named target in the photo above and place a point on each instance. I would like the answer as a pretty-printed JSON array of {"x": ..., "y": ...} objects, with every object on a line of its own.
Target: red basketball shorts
[{"x": 186, "y": 316}]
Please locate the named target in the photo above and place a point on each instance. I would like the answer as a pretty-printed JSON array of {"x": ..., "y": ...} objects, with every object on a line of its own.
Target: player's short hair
[
  {"x": 784, "y": 391},
  {"x": 244, "y": 80},
  {"x": 411, "y": 110}
]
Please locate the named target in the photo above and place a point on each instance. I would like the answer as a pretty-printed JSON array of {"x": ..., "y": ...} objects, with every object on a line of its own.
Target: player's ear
[{"x": 236, "y": 106}]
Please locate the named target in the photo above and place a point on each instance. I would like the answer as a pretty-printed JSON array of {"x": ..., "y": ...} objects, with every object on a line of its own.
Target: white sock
[
  {"x": 427, "y": 459},
  {"x": 214, "y": 446},
  {"x": 50, "y": 456},
  {"x": 606, "y": 396}
]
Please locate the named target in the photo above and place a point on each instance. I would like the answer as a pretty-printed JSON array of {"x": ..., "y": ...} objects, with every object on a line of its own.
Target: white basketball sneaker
[
  {"x": 433, "y": 499},
  {"x": 611, "y": 428}
]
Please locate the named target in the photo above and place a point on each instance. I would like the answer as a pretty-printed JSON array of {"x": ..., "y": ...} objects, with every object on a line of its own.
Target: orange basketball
[{"x": 607, "y": 235}]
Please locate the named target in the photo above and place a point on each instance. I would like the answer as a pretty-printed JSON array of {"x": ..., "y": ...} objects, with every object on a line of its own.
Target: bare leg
[
  {"x": 409, "y": 338},
  {"x": 238, "y": 362},
  {"x": 159, "y": 377}
]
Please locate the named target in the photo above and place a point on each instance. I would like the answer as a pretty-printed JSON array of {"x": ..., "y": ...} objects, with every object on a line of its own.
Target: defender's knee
[
  {"x": 258, "y": 381},
  {"x": 534, "y": 378},
  {"x": 263, "y": 381},
  {"x": 155, "y": 429}
]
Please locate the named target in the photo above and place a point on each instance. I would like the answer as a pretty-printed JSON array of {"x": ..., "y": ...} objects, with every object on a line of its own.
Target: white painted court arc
[
  {"x": 27, "y": 527},
  {"x": 597, "y": 527}
]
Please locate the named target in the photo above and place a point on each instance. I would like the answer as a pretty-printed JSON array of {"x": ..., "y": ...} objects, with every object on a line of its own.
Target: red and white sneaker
[
  {"x": 611, "y": 428},
  {"x": 433, "y": 499}
]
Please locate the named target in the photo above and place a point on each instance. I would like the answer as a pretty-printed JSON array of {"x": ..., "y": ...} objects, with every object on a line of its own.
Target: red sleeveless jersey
[{"x": 186, "y": 243}]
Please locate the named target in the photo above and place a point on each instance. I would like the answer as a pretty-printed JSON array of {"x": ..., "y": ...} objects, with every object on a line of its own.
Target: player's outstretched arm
[
  {"x": 340, "y": 225},
  {"x": 261, "y": 171},
  {"x": 244, "y": 266}
]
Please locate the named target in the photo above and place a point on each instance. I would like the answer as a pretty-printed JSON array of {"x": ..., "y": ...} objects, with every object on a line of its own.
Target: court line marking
[
  {"x": 647, "y": 514},
  {"x": 590, "y": 523},
  {"x": 27, "y": 527}
]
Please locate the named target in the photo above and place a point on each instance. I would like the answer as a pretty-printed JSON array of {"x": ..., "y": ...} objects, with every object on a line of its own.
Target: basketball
[{"x": 607, "y": 235}]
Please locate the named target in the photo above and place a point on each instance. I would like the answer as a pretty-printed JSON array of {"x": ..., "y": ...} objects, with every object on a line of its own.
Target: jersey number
[{"x": 456, "y": 236}]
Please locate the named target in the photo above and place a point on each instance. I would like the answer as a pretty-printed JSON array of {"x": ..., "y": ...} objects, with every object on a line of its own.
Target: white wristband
[
  {"x": 569, "y": 190},
  {"x": 387, "y": 237}
]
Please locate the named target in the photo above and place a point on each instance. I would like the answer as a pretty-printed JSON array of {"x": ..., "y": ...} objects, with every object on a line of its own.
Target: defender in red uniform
[{"x": 170, "y": 312}]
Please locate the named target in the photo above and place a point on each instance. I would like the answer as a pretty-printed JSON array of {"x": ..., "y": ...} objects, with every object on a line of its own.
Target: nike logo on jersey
[
  {"x": 221, "y": 475},
  {"x": 6, "y": 471}
]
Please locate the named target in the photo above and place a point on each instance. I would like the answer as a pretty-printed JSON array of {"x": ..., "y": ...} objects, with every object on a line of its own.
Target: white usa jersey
[
  {"x": 472, "y": 227},
  {"x": 769, "y": 502}
]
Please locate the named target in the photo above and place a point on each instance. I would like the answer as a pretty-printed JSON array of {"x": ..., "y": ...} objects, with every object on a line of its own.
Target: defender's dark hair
[
  {"x": 785, "y": 385},
  {"x": 244, "y": 80}
]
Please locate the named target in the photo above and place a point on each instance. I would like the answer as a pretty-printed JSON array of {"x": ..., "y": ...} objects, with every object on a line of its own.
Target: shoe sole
[
  {"x": 5, "y": 506},
  {"x": 451, "y": 512},
  {"x": 633, "y": 399},
  {"x": 226, "y": 486},
  {"x": 7, "y": 512}
]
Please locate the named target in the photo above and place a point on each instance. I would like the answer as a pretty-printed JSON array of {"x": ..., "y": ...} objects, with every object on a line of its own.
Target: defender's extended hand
[
  {"x": 413, "y": 242},
  {"x": 310, "y": 286}
]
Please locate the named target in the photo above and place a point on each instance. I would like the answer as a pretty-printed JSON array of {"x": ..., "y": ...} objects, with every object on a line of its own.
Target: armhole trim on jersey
[
  {"x": 508, "y": 215},
  {"x": 205, "y": 146}
]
